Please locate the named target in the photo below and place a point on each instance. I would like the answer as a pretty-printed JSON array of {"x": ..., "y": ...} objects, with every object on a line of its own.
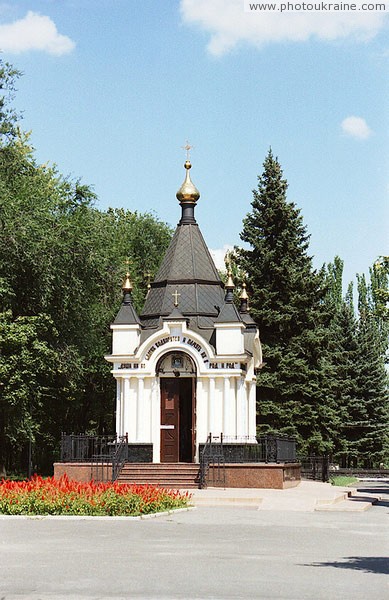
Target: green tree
[
  {"x": 357, "y": 382},
  {"x": 286, "y": 300},
  {"x": 28, "y": 364},
  {"x": 341, "y": 356},
  {"x": 61, "y": 263},
  {"x": 8, "y": 116},
  {"x": 369, "y": 422}
]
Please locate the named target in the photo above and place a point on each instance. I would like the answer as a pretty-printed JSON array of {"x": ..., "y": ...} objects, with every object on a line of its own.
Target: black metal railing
[
  {"x": 314, "y": 467},
  {"x": 277, "y": 449},
  {"x": 265, "y": 449},
  {"x": 120, "y": 456},
  {"x": 82, "y": 447},
  {"x": 212, "y": 455},
  {"x": 106, "y": 453},
  {"x": 220, "y": 450}
]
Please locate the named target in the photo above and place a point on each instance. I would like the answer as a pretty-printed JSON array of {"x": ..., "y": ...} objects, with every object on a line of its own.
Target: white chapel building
[{"x": 185, "y": 367}]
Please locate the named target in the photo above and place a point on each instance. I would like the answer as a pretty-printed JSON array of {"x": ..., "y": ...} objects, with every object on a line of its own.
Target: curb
[{"x": 97, "y": 517}]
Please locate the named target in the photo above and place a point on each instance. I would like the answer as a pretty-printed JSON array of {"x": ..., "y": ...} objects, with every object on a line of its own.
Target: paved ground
[
  {"x": 219, "y": 552},
  {"x": 308, "y": 496}
]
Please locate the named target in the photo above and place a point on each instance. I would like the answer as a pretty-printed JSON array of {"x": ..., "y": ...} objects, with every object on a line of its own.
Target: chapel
[{"x": 185, "y": 367}]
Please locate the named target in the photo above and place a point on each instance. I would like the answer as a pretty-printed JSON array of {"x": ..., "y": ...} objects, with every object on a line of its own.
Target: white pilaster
[
  {"x": 211, "y": 406},
  {"x": 252, "y": 427},
  {"x": 228, "y": 412},
  {"x": 119, "y": 401},
  {"x": 140, "y": 424},
  {"x": 130, "y": 411}
]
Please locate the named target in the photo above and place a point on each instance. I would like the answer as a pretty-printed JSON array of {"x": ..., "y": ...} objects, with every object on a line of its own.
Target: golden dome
[
  {"x": 127, "y": 284},
  {"x": 188, "y": 192},
  {"x": 244, "y": 295},
  {"x": 230, "y": 281}
]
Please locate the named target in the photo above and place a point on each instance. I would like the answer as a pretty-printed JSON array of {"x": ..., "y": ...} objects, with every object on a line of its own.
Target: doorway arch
[{"x": 177, "y": 374}]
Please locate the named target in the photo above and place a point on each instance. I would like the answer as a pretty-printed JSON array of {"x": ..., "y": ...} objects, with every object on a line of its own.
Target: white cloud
[
  {"x": 34, "y": 32},
  {"x": 356, "y": 127},
  {"x": 218, "y": 256},
  {"x": 228, "y": 24}
]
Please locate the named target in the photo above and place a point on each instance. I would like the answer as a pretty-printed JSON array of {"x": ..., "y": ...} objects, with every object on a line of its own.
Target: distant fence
[
  {"x": 355, "y": 472},
  {"x": 319, "y": 468},
  {"x": 314, "y": 467}
]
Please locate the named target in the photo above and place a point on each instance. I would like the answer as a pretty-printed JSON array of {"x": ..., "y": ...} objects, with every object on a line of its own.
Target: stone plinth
[
  {"x": 83, "y": 471},
  {"x": 277, "y": 476}
]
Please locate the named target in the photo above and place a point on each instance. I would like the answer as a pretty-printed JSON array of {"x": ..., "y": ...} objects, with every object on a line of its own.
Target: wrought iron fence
[
  {"x": 315, "y": 467},
  {"x": 212, "y": 455},
  {"x": 277, "y": 448},
  {"x": 83, "y": 447},
  {"x": 220, "y": 450},
  {"x": 106, "y": 453},
  {"x": 119, "y": 456}
]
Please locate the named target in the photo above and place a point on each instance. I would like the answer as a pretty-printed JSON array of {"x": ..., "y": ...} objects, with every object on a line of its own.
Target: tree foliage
[
  {"x": 324, "y": 377},
  {"x": 285, "y": 300},
  {"x": 62, "y": 263}
]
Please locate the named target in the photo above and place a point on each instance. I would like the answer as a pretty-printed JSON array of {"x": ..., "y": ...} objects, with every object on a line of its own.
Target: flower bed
[{"x": 50, "y": 496}]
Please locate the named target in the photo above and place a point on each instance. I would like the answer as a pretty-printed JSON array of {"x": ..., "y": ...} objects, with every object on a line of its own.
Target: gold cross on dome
[
  {"x": 188, "y": 148},
  {"x": 175, "y": 296}
]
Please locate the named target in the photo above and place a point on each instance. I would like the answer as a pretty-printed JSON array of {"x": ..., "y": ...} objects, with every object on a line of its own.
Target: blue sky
[{"x": 112, "y": 89}]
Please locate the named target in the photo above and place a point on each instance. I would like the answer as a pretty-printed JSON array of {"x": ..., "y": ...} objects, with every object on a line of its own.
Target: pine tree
[{"x": 286, "y": 296}]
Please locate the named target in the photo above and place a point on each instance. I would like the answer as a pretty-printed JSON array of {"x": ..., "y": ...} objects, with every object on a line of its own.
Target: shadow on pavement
[
  {"x": 368, "y": 564},
  {"x": 381, "y": 490}
]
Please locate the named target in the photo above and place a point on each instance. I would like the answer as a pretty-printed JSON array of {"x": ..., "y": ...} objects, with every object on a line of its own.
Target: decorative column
[
  {"x": 239, "y": 404},
  {"x": 140, "y": 411},
  {"x": 225, "y": 406},
  {"x": 129, "y": 411},
  {"x": 251, "y": 417},
  {"x": 211, "y": 405},
  {"x": 119, "y": 403}
]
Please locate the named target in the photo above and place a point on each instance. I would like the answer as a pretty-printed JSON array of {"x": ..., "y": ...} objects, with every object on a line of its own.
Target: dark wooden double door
[{"x": 177, "y": 419}]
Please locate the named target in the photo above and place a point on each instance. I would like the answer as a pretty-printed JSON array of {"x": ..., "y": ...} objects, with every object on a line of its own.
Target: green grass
[{"x": 342, "y": 480}]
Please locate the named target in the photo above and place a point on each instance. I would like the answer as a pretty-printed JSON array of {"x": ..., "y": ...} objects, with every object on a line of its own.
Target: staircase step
[{"x": 171, "y": 475}]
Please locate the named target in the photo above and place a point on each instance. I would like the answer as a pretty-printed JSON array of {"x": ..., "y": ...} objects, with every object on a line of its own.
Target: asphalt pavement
[{"x": 219, "y": 552}]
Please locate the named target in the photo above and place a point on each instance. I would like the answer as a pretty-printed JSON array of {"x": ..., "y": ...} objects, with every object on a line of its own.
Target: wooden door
[
  {"x": 186, "y": 420},
  {"x": 170, "y": 438}
]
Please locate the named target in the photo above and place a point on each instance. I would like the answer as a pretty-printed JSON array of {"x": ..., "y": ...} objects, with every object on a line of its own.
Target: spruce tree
[{"x": 286, "y": 296}]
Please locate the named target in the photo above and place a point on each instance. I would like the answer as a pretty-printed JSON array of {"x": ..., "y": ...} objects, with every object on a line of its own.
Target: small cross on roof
[{"x": 175, "y": 296}]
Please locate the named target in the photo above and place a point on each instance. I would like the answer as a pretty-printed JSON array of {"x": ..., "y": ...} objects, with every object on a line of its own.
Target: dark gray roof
[
  {"x": 187, "y": 268},
  {"x": 229, "y": 314},
  {"x": 248, "y": 320},
  {"x": 127, "y": 316},
  {"x": 175, "y": 315}
]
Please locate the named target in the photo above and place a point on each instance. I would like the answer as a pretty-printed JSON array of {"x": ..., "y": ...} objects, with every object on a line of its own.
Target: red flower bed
[{"x": 63, "y": 496}]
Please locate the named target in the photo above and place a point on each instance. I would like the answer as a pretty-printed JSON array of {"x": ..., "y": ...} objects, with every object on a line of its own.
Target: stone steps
[
  {"x": 351, "y": 502},
  {"x": 172, "y": 475}
]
